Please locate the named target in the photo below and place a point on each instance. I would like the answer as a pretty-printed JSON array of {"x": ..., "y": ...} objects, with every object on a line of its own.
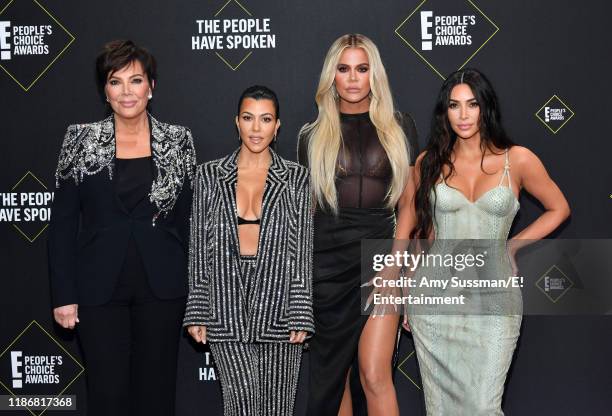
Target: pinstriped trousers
[{"x": 257, "y": 379}]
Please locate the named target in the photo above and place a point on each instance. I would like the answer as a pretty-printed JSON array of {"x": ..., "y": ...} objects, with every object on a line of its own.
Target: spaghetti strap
[{"x": 506, "y": 170}]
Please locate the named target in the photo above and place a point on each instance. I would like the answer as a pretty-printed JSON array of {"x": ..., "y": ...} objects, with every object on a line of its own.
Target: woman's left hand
[
  {"x": 512, "y": 248},
  {"x": 297, "y": 337}
]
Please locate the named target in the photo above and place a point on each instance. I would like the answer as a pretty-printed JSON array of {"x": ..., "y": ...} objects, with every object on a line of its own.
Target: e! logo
[
  {"x": 16, "y": 364},
  {"x": 426, "y": 23},
  {"x": 5, "y": 46}
]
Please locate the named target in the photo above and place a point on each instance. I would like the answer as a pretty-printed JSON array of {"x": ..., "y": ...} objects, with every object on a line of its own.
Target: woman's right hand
[
  {"x": 66, "y": 316},
  {"x": 198, "y": 333},
  {"x": 406, "y": 324}
]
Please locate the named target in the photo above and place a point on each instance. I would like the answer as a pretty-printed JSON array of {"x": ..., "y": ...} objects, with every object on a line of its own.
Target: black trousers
[{"x": 130, "y": 346}]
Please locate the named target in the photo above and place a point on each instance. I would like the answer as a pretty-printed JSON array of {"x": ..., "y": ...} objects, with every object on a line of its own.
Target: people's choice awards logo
[
  {"x": 554, "y": 114},
  {"x": 446, "y": 34},
  {"x": 31, "y": 40},
  {"x": 27, "y": 207},
  {"x": 554, "y": 283},
  {"x": 36, "y": 366},
  {"x": 408, "y": 367},
  {"x": 233, "y": 34}
]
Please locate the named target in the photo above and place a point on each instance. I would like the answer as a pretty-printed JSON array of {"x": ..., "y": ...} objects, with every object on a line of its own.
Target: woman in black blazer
[
  {"x": 118, "y": 237},
  {"x": 250, "y": 264}
]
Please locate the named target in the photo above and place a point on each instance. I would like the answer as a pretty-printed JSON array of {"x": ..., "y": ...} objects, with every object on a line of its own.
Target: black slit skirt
[{"x": 337, "y": 302}]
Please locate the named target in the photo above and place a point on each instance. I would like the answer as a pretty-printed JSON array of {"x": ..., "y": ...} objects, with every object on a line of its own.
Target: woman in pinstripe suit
[{"x": 250, "y": 290}]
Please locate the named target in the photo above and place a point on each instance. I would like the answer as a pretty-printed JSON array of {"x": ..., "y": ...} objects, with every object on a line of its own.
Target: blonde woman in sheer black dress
[{"x": 359, "y": 154}]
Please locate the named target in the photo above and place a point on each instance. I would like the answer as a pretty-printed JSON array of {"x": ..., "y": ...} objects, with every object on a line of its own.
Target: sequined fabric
[
  {"x": 280, "y": 298},
  {"x": 88, "y": 149},
  {"x": 257, "y": 379}
]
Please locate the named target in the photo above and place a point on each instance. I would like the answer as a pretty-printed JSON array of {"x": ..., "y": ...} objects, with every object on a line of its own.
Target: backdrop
[{"x": 547, "y": 60}]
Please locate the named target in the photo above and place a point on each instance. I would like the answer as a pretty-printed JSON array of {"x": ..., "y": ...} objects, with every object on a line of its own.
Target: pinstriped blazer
[{"x": 282, "y": 299}]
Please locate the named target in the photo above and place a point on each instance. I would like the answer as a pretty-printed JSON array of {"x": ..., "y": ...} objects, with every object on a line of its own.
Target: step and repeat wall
[{"x": 547, "y": 59}]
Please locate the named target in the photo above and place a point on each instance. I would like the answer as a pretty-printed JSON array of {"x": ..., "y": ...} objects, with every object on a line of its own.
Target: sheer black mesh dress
[{"x": 363, "y": 177}]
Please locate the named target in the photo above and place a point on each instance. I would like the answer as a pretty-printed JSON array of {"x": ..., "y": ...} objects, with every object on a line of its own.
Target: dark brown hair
[
  {"x": 442, "y": 140},
  {"x": 259, "y": 92},
  {"x": 118, "y": 54}
]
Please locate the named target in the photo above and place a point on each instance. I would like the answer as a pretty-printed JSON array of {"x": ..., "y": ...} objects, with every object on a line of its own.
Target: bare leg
[
  {"x": 375, "y": 354},
  {"x": 346, "y": 406}
]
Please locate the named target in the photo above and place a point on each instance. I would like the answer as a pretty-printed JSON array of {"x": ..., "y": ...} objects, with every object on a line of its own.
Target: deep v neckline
[
  {"x": 261, "y": 211},
  {"x": 261, "y": 202}
]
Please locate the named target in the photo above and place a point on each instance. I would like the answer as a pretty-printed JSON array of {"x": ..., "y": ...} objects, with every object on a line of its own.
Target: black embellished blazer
[
  {"x": 283, "y": 294},
  {"x": 90, "y": 228}
]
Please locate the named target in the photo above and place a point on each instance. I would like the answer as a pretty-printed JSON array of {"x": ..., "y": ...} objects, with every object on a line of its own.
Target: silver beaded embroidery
[{"x": 90, "y": 148}]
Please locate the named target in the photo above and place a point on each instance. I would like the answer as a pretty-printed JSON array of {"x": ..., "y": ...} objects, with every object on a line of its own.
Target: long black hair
[{"x": 442, "y": 141}]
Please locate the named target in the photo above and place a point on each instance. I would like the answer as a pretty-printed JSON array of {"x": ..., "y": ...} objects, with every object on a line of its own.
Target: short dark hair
[
  {"x": 118, "y": 54},
  {"x": 259, "y": 92}
]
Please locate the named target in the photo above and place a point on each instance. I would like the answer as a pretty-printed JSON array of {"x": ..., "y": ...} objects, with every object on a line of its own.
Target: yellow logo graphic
[
  {"x": 233, "y": 34},
  {"x": 554, "y": 283},
  {"x": 446, "y": 35},
  {"x": 225, "y": 61},
  {"x": 554, "y": 114},
  {"x": 38, "y": 362},
  {"x": 31, "y": 41},
  {"x": 409, "y": 359},
  {"x": 27, "y": 207}
]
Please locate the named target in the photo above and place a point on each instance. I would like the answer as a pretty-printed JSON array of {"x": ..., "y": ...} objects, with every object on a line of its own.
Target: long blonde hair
[{"x": 325, "y": 136}]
